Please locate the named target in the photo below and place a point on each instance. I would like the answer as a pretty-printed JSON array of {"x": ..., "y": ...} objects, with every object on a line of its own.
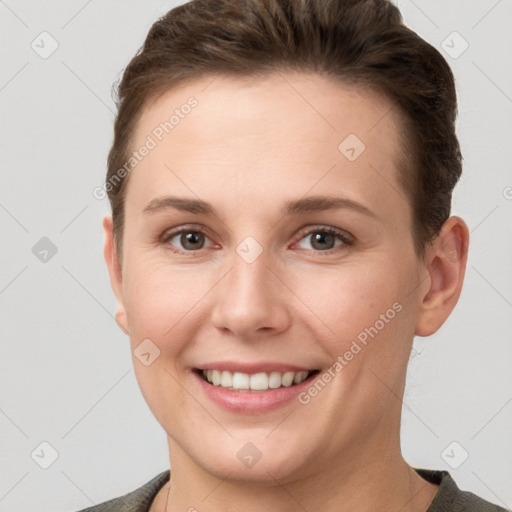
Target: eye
[
  {"x": 190, "y": 239},
  {"x": 323, "y": 239}
]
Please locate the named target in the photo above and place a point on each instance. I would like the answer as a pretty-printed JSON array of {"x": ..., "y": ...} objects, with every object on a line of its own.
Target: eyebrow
[{"x": 310, "y": 204}]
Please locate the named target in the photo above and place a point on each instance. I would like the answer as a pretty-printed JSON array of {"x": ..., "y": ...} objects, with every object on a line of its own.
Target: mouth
[{"x": 255, "y": 382}]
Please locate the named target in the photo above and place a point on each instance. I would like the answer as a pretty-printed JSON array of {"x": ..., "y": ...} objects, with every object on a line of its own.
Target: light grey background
[{"x": 65, "y": 367}]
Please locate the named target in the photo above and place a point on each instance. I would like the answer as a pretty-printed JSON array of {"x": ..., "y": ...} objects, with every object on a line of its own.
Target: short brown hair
[{"x": 354, "y": 41}]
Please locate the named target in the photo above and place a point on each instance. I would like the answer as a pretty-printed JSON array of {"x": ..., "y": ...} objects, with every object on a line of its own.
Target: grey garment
[
  {"x": 449, "y": 497},
  {"x": 136, "y": 501}
]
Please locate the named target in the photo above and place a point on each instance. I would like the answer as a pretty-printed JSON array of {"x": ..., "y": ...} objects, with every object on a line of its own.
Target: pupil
[
  {"x": 319, "y": 237},
  {"x": 190, "y": 239}
]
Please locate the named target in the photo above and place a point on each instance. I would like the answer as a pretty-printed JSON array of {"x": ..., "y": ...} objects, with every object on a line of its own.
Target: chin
[{"x": 252, "y": 462}]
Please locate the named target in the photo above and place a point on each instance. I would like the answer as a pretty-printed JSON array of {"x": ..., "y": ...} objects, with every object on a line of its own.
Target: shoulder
[
  {"x": 135, "y": 501},
  {"x": 450, "y": 498}
]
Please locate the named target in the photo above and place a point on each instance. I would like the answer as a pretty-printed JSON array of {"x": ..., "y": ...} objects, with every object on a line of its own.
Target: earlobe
[
  {"x": 446, "y": 266},
  {"x": 121, "y": 320},
  {"x": 115, "y": 272}
]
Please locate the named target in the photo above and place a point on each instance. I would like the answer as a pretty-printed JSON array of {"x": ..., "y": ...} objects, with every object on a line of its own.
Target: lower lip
[{"x": 248, "y": 401}]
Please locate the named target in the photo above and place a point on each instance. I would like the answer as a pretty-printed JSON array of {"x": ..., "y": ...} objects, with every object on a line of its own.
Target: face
[{"x": 267, "y": 239}]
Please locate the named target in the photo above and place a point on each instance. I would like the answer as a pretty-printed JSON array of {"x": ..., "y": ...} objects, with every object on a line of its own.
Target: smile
[
  {"x": 251, "y": 387},
  {"x": 262, "y": 381}
]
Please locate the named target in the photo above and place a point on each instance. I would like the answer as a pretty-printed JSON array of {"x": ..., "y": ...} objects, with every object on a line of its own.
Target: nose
[{"x": 250, "y": 301}]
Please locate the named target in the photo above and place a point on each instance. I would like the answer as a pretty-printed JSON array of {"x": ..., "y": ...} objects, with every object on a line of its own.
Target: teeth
[
  {"x": 274, "y": 380},
  {"x": 255, "y": 382},
  {"x": 226, "y": 379},
  {"x": 240, "y": 380},
  {"x": 299, "y": 377},
  {"x": 216, "y": 377},
  {"x": 258, "y": 381}
]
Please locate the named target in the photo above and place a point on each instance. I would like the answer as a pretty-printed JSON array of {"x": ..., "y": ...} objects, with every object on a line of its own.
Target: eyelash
[{"x": 347, "y": 241}]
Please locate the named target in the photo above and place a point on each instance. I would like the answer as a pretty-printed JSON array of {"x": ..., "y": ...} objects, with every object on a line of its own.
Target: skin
[{"x": 247, "y": 148}]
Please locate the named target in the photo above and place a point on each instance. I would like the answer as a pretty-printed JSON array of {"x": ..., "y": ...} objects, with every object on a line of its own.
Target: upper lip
[{"x": 251, "y": 368}]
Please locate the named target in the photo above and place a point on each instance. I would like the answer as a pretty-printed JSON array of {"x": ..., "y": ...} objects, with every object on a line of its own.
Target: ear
[
  {"x": 446, "y": 265},
  {"x": 114, "y": 270}
]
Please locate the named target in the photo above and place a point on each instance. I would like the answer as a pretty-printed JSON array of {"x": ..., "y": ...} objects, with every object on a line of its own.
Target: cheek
[
  {"x": 159, "y": 302},
  {"x": 161, "y": 299},
  {"x": 369, "y": 305},
  {"x": 348, "y": 297}
]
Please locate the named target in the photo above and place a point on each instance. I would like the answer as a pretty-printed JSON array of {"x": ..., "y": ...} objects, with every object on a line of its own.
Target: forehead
[
  {"x": 270, "y": 133},
  {"x": 273, "y": 101}
]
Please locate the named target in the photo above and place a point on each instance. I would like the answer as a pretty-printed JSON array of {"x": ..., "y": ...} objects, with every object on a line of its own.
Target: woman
[{"x": 280, "y": 182}]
